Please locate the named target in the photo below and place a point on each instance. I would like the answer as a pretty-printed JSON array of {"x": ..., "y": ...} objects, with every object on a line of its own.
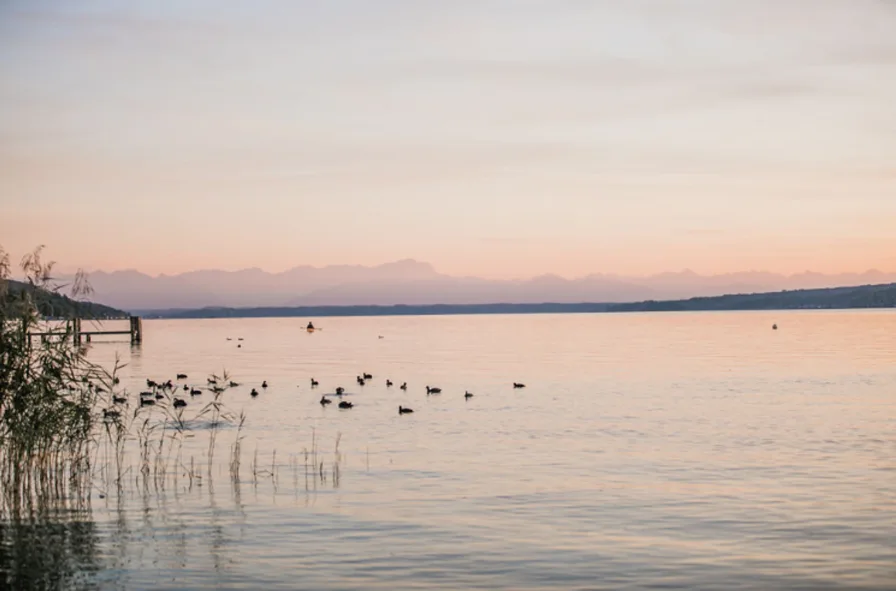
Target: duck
[
  {"x": 325, "y": 401},
  {"x": 178, "y": 403},
  {"x": 314, "y": 383},
  {"x": 403, "y": 411},
  {"x": 518, "y": 385},
  {"x": 404, "y": 386},
  {"x": 234, "y": 384},
  {"x": 116, "y": 380},
  {"x": 195, "y": 392},
  {"x": 367, "y": 376},
  {"x": 433, "y": 390},
  {"x": 145, "y": 393},
  {"x": 340, "y": 391},
  {"x": 119, "y": 399},
  {"x": 111, "y": 414},
  {"x": 253, "y": 393},
  {"x": 360, "y": 380},
  {"x": 159, "y": 396},
  {"x": 181, "y": 376},
  {"x": 345, "y": 404},
  {"x": 264, "y": 384},
  {"x": 774, "y": 327},
  {"x": 186, "y": 388},
  {"x": 468, "y": 394},
  {"x": 388, "y": 383},
  {"x": 212, "y": 381},
  {"x": 147, "y": 402},
  {"x": 150, "y": 383}
]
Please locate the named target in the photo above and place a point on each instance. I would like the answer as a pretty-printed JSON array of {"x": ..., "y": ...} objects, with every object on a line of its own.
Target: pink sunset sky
[{"x": 495, "y": 138}]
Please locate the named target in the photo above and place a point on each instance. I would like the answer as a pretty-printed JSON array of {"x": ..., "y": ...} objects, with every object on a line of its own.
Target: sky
[{"x": 497, "y": 138}]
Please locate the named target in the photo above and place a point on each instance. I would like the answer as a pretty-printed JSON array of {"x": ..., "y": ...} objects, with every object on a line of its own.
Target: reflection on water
[
  {"x": 54, "y": 550},
  {"x": 677, "y": 451}
]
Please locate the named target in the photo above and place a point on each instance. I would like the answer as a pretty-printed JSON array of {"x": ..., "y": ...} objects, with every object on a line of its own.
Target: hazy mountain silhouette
[{"x": 418, "y": 283}]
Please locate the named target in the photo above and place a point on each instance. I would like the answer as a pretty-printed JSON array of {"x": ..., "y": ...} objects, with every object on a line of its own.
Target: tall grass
[
  {"x": 62, "y": 433},
  {"x": 48, "y": 403}
]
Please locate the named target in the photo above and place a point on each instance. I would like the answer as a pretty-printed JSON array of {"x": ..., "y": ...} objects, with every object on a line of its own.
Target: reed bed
[{"x": 64, "y": 437}]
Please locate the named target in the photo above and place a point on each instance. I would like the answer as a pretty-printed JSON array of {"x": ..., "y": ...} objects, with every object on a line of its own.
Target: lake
[{"x": 647, "y": 451}]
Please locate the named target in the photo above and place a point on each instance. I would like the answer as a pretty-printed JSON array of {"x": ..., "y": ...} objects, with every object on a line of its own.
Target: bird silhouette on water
[
  {"x": 314, "y": 383},
  {"x": 325, "y": 401},
  {"x": 403, "y": 411},
  {"x": 264, "y": 384},
  {"x": 518, "y": 385},
  {"x": 388, "y": 383},
  {"x": 253, "y": 393},
  {"x": 404, "y": 386},
  {"x": 178, "y": 403},
  {"x": 433, "y": 390},
  {"x": 468, "y": 394},
  {"x": 345, "y": 404}
]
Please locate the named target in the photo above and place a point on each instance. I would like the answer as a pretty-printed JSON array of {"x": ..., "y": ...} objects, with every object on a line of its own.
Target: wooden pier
[{"x": 73, "y": 328}]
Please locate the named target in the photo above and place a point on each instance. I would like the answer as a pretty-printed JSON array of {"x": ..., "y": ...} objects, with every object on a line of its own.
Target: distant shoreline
[{"x": 837, "y": 298}]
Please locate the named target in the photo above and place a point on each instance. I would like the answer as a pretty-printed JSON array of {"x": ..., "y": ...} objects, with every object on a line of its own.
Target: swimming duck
[
  {"x": 433, "y": 390},
  {"x": 340, "y": 391},
  {"x": 404, "y": 386},
  {"x": 468, "y": 394},
  {"x": 345, "y": 404},
  {"x": 388, "y": 383},
  {"x": 264, "y": 384},
  {"x": 181, "y": 376},
  {"x": 325, "y": 401},
  {"x": 195, "y": 392},
  {"x": 253, "y": 393},
  {"x": 314, "y": 383},
  {"x": 119, "y": 399},
  {"x": 178, "y": 403},
  {"x": 518, "y": 385},
  {"x": 403, "y": 411}
]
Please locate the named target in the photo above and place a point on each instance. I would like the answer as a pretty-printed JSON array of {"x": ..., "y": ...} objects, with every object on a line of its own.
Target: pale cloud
[{"x": 606, "y": 136}]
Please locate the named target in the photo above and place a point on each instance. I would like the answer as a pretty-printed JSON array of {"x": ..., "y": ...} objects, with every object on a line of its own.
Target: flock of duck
[
  {"x": 161, "y": 390},
  {"x": 365, "y": 377}
]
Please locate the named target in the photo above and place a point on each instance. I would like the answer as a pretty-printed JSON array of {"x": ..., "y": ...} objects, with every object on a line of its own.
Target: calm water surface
[{"x": 693, "y": 451}]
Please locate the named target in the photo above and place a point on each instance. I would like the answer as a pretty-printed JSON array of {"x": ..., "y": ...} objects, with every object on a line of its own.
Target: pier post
[
  {"x": 136, "y": 330},
  {"x": 76, "y": 331}
]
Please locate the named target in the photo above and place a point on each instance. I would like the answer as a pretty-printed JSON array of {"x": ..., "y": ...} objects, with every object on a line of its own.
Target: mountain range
[{"x": 418, "y": 283}]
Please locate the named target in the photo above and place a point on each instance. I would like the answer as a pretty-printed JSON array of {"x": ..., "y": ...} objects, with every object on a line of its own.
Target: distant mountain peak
[{"x": 410, "y": 281}]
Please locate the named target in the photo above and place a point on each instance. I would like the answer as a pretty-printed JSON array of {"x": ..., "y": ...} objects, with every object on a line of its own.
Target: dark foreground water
[{"x": 663, "y": 451}]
